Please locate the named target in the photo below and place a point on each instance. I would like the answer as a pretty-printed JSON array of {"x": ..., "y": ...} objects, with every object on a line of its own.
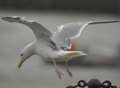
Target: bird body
[
  {"x": 45, "y": 51},
  {"x": 52, "y": 46}
]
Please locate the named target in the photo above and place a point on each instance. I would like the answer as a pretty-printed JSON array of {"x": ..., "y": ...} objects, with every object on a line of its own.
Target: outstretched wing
[
  {"x": 39, "y": 30},
  {"x": 70, "y": 31},
  {"x": 66, "y": 32}
]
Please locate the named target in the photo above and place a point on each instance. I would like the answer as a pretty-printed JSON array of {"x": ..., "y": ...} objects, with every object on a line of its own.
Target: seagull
[{"x": 53, "y": 46}]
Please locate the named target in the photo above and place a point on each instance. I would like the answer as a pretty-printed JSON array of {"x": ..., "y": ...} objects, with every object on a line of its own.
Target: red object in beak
[{"x": 72, "y": 46}]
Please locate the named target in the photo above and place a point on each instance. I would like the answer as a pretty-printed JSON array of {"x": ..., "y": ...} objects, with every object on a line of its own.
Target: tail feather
[{"x": 73, "y": 54}]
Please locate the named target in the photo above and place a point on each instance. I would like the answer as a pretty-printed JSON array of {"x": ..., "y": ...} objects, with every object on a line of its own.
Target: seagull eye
[{"x": 21, "y": 54}]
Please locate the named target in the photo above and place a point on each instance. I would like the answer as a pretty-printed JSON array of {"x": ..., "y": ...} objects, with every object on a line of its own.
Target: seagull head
[{"x": 25, "y": 54}]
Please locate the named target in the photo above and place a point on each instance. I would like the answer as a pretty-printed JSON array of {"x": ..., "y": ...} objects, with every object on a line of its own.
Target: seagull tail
[{"x": 73, "y": 54}]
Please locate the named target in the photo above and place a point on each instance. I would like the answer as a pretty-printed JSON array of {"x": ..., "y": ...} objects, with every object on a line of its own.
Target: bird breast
[{"x": 43, "y": 50}]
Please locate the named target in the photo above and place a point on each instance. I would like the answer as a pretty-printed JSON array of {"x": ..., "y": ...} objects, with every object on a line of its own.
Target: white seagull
[{"x": 52, "y": 46}]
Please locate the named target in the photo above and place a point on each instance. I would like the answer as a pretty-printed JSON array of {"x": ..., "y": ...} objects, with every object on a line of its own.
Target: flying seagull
[{"x": 53, "y": 46}]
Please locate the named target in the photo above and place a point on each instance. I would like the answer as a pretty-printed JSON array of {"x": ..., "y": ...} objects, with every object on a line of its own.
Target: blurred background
[
  {"x": 63, "y": 5},
  {"x": 101, "y": 42}
]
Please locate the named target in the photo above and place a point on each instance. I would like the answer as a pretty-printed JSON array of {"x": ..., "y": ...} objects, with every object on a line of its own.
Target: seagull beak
[{"x": 21, "y": 62}]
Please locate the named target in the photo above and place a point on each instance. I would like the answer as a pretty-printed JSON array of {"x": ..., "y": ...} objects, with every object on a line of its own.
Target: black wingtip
[
  {"x": 103, "y": 22},
  {"x": 11, "y": 18}
]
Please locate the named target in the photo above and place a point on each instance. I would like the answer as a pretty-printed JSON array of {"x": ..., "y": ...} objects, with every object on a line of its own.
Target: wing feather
[
  {"x": 39, "y": 30},
  {"x": 69, "y": 31}
]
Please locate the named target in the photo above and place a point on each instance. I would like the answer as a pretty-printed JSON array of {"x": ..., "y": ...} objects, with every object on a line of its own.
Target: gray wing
[
  {"x": 39, "y": 30},
  {"x": 66, "y": 32},
  {"x": 70, "y": 31}
]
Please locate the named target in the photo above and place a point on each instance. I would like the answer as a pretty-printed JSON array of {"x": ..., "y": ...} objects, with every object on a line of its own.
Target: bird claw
[
  {"x": 59, "y": 73},
  {"x": 69, "y": 73}
]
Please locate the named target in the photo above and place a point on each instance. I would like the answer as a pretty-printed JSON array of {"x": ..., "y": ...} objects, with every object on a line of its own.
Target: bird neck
[{"x": 29, "y": 50}]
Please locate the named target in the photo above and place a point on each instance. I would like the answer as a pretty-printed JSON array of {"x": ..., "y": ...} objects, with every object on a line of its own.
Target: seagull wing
[
  {"x": 69, "y": 31},
  {"x": 39, "y": 30}
]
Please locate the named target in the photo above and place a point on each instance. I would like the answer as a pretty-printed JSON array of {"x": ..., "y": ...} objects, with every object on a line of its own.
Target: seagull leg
[
  {"x": 59, "y": 73},
  {"x": 68, "y": 70}
]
